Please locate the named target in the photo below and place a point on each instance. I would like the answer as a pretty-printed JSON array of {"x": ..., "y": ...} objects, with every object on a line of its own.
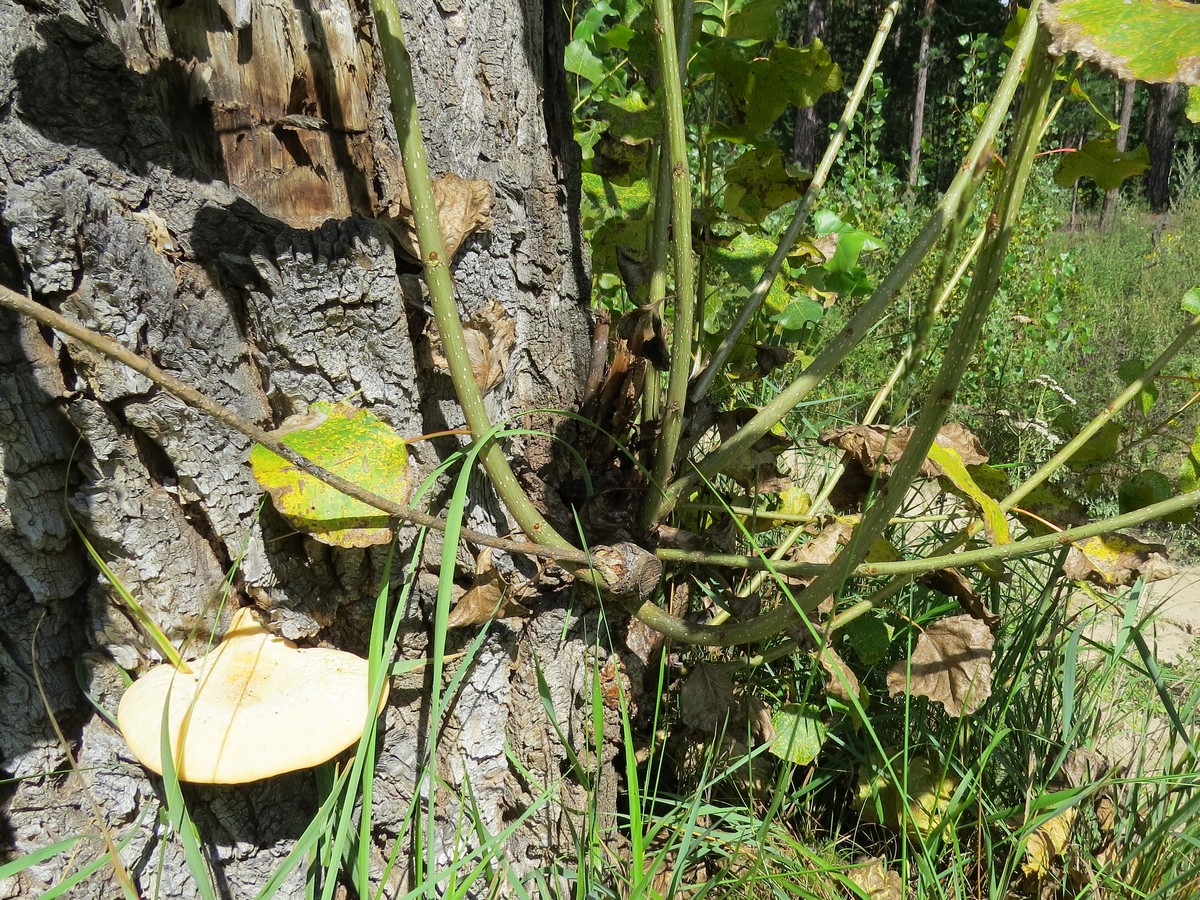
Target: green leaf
[
  {"x": 759, "y": 182},
  {"x": 1192, "y": 108},
  {"x": 799, "y": 733},
  {"x": 593, "y": 21},
  {"x": 743, "y": 261},
  {"x": 869, "y": 636},
  {"x": 1137, "y": 40},
  {"x": 800, "y": 312},
  {"x": 349, "y": 442},
  {"x": 1189, "y": 472},
  {"x": 1132, "y": 369},
  {"x": 580, "y": 60},
  {"x": 1100, "y": 160},
  {"x": 760, "y": 89},
  {"x": 758, "y": 20},
  {"x": 1191, "y": 302},
  {"x": 1100, "y": 449}
]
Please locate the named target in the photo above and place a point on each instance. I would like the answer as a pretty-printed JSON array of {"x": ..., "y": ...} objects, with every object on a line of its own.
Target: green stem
[
  {"x": 778, "y": 620},
  {"x": 398, "y": 70},
  {"x": 1123, "y": 399},
  {"x": 800, "y": 217},
  {"x": 858, "y": 326},
  {"x": 682, "y": 325}
]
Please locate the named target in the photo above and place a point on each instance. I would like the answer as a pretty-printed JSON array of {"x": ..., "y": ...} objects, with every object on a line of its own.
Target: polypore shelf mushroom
[{"x": 256, "y": 706}]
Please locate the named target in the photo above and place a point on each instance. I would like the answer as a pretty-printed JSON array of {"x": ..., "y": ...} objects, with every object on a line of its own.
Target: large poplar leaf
[
  {"x": 1100, "y": 160},
  {"x": 760, "y": 89},
  {"x": 349, "y": 442},
  {"x": 760, "y": 182},
  {"x": 1137, "y": 40},
  {"x": 952, "y": 664}
]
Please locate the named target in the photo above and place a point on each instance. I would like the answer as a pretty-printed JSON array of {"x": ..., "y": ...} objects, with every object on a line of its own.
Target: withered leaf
[
  {"x": 1047, "y": 843},
  {"x": 642, "y": 331},
  {"x": 706, "y": 698},
  {"x": 954, "y": 583},
  {"x": 877, "y": 448},
  {"x": 769, "y": 357},
  {"x": 841, "y": 683},
  {"x": 876, "y": 880},
  {"x": 490, "y": 335},
  {"x": 952, "y": 664},
  {"x": 1117, "y": 560},
  {"x": 463, "y": 208},
  {"x": 487, "y": 598}
]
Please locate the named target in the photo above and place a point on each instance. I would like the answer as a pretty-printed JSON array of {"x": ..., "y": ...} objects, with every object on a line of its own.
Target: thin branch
[{"x": 193, "y": 398}]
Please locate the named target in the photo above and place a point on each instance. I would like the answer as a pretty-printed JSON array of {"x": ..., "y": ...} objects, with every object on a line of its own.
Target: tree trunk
[
  {"x": 1160, "y": 141},
  {"x": 918, "y": 126},
  {"x": 1124, "y": 114},
  {"x": 805, "y": 147},
  {"x": 201, "y": 181}
]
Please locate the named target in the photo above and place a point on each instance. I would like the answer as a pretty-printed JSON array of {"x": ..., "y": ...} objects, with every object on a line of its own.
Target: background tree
[{"x": 211, "y": 184}]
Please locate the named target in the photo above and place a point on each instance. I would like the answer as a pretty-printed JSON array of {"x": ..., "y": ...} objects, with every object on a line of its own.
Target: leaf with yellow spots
[{"x": 349, "y": 442}]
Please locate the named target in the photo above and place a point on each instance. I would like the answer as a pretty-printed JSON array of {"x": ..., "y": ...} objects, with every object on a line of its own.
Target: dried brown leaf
[
  {"x": 643, "y": 332},
  {"x": 841, "y": 683},
  {"x": 769, "y": 357},
  {"x": 706, "y": 698},
  {"x": 953, "y": 583},
  {"x": 952, "y": 664},
  {"x": 876, "y": 448},
  {"x": 486, "y": 599},
  {"x": 1047, "y": 843},
  {"x": 463, "y": 208},
  {"x": 490, "y": 335},
  {"x": 876, "y": 880},
  {"x": 1117, "y": 560}
]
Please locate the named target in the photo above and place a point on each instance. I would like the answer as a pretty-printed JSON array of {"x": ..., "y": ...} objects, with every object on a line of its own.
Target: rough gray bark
[{"x": 198, "y": 180}]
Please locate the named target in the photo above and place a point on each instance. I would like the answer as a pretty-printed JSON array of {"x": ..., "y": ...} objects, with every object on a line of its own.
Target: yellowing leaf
[
  {"x": 799, "y": 733},
  {"x": 952, "y": 664},
  {"x": 1100, "y": 160},
  {"x": 1137, "y": 40},
  {"x": 349, "y": 442},
  {"x": 1117, "y": 560},
  {"x": 918, "y": 804},
  {"x": 1047, "y": 843},
  {"x": 951, "y": 463}
]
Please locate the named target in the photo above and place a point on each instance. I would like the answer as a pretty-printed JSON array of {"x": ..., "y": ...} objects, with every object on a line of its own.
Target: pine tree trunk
[
  {"x": 1160, "y": 141},
  {"x": 806, "y": 142},
  {"x": 918, "y": 126},
  {"x": 201, "y": 181}
]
